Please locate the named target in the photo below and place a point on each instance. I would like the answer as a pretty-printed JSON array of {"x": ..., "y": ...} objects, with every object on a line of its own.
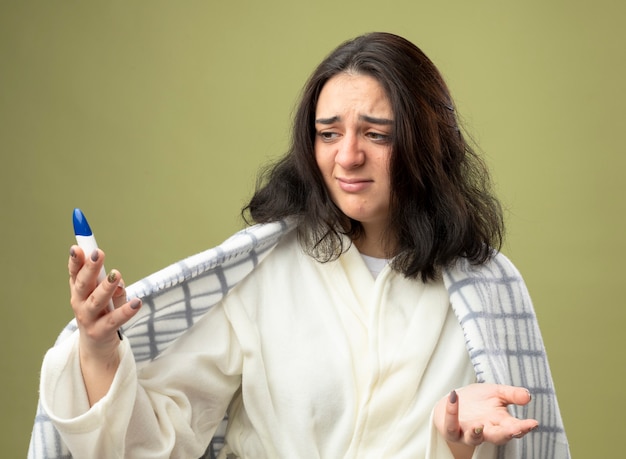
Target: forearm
[
  {"x": 166, "y": 408},
  {"x": 127, "y": 421},
  {"x": 98, "y": 373},
  {"x": 87, "y": 429}
]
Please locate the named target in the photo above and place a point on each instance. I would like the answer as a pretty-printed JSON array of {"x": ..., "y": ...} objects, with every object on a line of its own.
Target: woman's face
[{"x": 353, "y": 122}]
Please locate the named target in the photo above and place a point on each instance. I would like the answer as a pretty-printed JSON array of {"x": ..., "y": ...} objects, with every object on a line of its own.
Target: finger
[
  {"x": 451, "y": 418},
  {"x": 474, "y": 436},
  {"x": 86, "y": 279},
  {"x": 514, "y": 395},
  {"x": 508, "y": 430},
  {"x": 109, "y": 323},
  {"x": 517, "y": 428},
  {"x": 119, "y": 295},
  {"x": 105, "y": 291},
  {"x": 531, "y": 425},
  {"x": 76, "y": 261},
  {"x": 98, "y": 302}
]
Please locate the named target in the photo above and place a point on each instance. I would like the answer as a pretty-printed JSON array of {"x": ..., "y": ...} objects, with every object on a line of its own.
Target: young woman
[{"x": 385, "y": 325}]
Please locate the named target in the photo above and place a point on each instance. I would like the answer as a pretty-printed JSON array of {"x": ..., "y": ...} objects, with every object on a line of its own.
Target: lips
[{"x": 353, "y": 185}]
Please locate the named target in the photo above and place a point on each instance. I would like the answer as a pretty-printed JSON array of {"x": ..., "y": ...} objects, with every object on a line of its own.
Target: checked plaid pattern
[{"x": 490, "y": 301}]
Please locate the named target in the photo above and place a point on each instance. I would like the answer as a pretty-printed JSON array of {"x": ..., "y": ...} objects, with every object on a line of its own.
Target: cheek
[{"x": 324, "y": 163}]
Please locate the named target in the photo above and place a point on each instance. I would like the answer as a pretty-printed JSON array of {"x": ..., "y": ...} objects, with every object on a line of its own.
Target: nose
[{"x": 349, "y": 152}]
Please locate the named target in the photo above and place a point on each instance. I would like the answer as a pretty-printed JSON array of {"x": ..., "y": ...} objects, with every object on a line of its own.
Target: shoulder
[
  {"x": 495, "y": 285},
  {"x": 497, "y": 270},
  {"x": 497, "y": 267},
  {"x": 279, "y": 263},
  {"x": 285, "y": 250}
]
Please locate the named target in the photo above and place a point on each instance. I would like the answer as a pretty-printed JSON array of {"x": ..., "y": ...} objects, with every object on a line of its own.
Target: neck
[{"x": 373, "y": 244}]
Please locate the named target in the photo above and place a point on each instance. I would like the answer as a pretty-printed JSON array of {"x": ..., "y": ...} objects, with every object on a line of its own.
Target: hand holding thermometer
[{"x": 86, "y": 241}]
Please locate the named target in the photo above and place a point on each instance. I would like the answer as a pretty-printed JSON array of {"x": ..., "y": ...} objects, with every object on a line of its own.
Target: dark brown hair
[{"x": 441, "y": 204}]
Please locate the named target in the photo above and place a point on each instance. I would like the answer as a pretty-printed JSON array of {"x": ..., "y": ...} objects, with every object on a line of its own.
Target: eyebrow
[{"x": 367, "y": 118}]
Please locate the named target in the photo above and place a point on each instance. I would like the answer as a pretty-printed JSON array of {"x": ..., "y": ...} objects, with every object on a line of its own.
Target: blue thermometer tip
[{"x": 81, "y": 227}]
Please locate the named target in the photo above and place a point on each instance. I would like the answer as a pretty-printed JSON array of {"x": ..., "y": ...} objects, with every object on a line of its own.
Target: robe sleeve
[{"x": 169, "y": 407}]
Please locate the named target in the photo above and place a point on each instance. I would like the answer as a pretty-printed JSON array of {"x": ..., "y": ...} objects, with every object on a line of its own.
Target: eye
[
  {"x": 327, "y": 136},
  {"x": 378, "y": 137}
]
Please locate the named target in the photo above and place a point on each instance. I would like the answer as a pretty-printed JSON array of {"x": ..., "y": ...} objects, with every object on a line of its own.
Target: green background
[{"x": 154, "y": 116}]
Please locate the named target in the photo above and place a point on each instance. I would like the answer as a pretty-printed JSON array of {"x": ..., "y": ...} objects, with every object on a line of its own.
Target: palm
[{"x": 480, "y": 414}]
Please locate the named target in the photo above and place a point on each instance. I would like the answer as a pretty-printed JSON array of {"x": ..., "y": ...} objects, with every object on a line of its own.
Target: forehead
[{"x": 348, "y": 92}]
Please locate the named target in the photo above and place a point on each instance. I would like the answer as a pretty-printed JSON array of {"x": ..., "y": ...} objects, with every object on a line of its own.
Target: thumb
[{"x": 514, "y": 395}]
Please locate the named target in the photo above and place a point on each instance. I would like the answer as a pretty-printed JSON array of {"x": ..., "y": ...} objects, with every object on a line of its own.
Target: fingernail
[
  {"x": 453, "y": 397},
  {"x": 530, "y": 397},
  {"x": 111, "y": 277},
  {"x": 135, "y": 303},
  {"x": 518, "y": 435},
  {"x": 95, "y": 255},
  {"x": 72, "y": 252},
  {"x": 534, "y": 428},
  {"x": 479, "y": 430}
]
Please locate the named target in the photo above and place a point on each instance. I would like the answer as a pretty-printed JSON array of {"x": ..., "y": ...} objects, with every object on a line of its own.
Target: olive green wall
[{"x": 154, "y": 116}]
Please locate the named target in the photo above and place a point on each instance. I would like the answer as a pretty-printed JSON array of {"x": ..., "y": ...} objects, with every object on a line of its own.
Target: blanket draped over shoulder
[{"x": 490, "y": 301}]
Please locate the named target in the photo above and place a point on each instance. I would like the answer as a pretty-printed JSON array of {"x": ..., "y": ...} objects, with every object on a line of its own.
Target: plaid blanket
[{"x": 490, "y": 301}]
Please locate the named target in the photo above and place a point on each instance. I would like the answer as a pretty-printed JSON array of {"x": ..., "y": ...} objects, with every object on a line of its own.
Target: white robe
[{"x": 352, "y": 404}]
